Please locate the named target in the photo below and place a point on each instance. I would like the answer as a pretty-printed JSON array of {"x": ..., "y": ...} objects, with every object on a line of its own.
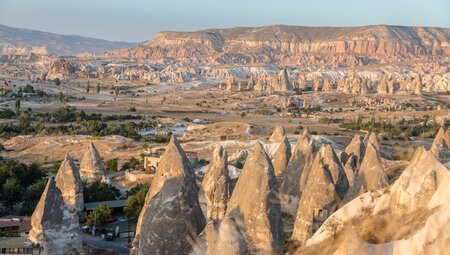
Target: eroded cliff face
[{"x": 276, "y": 41}]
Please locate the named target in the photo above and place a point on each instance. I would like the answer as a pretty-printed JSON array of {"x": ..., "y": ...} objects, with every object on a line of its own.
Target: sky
[{"x": 139, "y": 20}]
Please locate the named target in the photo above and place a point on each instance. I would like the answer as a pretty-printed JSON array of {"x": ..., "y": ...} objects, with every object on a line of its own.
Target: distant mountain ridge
[
  {"x": 271, "y": 41},
  {"x": 23, "y": 41}
]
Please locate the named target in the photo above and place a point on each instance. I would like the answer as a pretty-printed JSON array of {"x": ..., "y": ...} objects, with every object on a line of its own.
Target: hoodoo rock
[
  {"x": 330, "y": 161},
  {"x": 68, "y": 180},
  {"x": 216, "y": 185},
  {"x": 91, "y": 166},
  {"x": 278, "y": 134},
  {"x": 285, "y": 84},
  {"x": 254, "y": 205},
  {"x": 441, "y": 145},
  {"x": 301, "y": 158},
  {"x": 356, "y": 148},
  {"x": 371, "y": 174},
  {"x": 171, "y": 217},
  {"x": 319, "y": 200},
  {"x": 53, "y": 225},
  {"x": 281, "y": 158}
]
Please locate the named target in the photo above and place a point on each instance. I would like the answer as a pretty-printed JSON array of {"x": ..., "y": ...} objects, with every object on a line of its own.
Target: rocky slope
[{"x": 20, "y": 41}]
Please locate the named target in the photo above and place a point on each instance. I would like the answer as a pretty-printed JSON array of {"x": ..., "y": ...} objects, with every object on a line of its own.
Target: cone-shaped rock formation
[
  {"x": 171, "y": 217},
  {"x": 68, "y": 180},
  {"x": 216, "y": 185},
  {"x": 53, "y": 225},
  {"x": 91, "y": 166}
]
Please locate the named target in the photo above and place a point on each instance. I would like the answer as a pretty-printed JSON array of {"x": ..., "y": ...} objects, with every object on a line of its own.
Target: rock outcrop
[
  {"x": 297, "y": 169},
  {"x": 441, "y": 145},
  {"x": 331, "y": 162},
  {"x": 282, "y": 157},
  {"x": 68, "y": 180},
  {"x": 254, "y": 209},
  {"x": 216, "y": 185},
  {"x": 171, "y": 217},
  {"x": 409, "y": 217},
  {"x": 356, "y": 148},
  {"x": 278, "y": 134},
  {"x": 319, "y": 200},
  {"x": 53, "y": 225},
  {"x": 371, "y": 174},
  {"x": 91, "y": 166}
]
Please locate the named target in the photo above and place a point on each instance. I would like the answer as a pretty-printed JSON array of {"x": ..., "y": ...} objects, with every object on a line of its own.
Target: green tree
[
  {"x": 32, "y": 195},
  {"x": 17, "y": 106},
  {"x": 112, "y": 165},
  {"x": 24, "y": 120},
  {"x": 61, "y": 97},
  {"x": 131, "y": 164},
  {"x": 98, "y": 216},
  {"x": 57, "y": 81},
  {"x": 99, "y": 191},
  {"x": 88, "y": 87},
  {"x": 98, "y": 88},
  {"x": 12, "y": 193},
  {"x": 135, "y": 200}
]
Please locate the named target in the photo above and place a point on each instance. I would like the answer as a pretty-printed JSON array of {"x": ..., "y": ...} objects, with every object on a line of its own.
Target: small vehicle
[
  {"x": 109, "y": 236},
  {"x": 111, "y": 219}
]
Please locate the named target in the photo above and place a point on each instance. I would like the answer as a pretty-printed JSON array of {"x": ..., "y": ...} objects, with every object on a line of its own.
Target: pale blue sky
[{"x": 138, "y": 20}]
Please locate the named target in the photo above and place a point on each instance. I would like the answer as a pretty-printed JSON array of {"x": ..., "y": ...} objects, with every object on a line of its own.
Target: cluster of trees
[
  {"x": 21, "y": 183},
  {"x": 135, "y": 200},
  {"x": 420, "y": 127},
  {"x": 98, "y": 191}
]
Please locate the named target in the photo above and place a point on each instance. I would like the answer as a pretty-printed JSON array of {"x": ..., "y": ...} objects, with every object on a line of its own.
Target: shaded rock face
[
  {"x": 68, "y": 180},
  {"x": 221, "y": 237},
  {"x": 278, "y": 134},
  {"x": 281, "y": 158},
  {"x": 351, "y": 170},
  {"x": 371, "y": 174},
  {"x": 355, "y": 148},
  {"x": 54, "y": 226},
  {"x": 91, "y": 166},
  {"x": 171, "y": 217},
  {"x": 441, "y": 145},
  {"x": 255, "y": 207},
  {"x": 319, "y": 200},
  {"x": 216, "y": 185},
  {"x": 303, "y": 155}
]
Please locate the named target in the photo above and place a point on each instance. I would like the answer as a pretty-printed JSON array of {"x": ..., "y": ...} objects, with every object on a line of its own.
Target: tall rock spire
[
  {"x": 216, "y": 185},
  {"x": 68, "y": 180},
  {"x": 371, "y": 174},
  {"x": 319, "y": 200},
  {"x": 278, "y": 134},
  {"x": 91, "y": 166},
  {"x": 356, "y": 148},
  {"x": 282, "y": 157},
  {"x": 255, "y": 207},
  {"x": 330, "y": 161},
  {"x": 53, "y": 225},
  {"x": 171, "y": 217},
  {"x": 301, "y": 158}
]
